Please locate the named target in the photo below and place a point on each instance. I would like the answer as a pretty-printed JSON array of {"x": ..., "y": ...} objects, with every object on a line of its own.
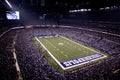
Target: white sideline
[{"x": 50, "y": 53}]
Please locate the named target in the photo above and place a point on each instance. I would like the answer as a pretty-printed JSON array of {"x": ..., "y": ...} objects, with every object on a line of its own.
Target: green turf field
[{"x": 63, "y": 49}]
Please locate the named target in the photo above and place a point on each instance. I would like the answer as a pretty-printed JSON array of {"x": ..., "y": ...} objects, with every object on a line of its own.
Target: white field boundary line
[{"x": 50, "y": 53}]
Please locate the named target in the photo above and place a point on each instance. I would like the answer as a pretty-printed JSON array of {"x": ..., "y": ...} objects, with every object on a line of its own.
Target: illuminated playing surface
[{"x": 68, "y": 53}]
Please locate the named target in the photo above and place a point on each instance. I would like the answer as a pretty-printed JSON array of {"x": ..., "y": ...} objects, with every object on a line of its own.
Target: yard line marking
[
  {"x": 66, "y": 56},
  {"x": 51, "y": 44}
]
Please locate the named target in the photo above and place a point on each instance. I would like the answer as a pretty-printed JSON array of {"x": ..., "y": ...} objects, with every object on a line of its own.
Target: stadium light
[
  {"x": 82, "y": 10},
  {"x": 89, "y": 9},
  {"x": 8, "y": 3},
  {"x": 107, "y": 7}
]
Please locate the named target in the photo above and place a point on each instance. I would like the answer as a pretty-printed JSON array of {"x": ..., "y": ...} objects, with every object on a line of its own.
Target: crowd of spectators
[
  {"x": 34, "y": 66},
  {"x": 7, "y": 62}
]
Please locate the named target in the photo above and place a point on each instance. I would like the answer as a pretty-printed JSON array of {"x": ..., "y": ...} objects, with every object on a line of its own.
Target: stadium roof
[{"x": 58, "y": 5}]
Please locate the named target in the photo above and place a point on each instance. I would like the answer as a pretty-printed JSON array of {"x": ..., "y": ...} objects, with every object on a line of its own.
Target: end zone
[{"x": 82, "y": 60}]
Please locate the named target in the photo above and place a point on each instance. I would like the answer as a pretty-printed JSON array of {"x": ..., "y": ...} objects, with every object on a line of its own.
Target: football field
[{"x": 68, "y": 53}]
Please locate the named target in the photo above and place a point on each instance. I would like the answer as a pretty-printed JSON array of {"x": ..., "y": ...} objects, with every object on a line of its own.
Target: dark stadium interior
[{"x": 94, "y": 23}]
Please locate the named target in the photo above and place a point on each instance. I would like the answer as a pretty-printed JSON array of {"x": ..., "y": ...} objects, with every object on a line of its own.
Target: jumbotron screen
[{"x": 13, "y": 15}]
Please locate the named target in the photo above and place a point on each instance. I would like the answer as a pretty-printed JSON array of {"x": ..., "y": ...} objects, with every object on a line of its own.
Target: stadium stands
[
  {"x": 34, "y": 66},
  {"x": 92, "y": 23},
  {"x": 7, "y": 66}
]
